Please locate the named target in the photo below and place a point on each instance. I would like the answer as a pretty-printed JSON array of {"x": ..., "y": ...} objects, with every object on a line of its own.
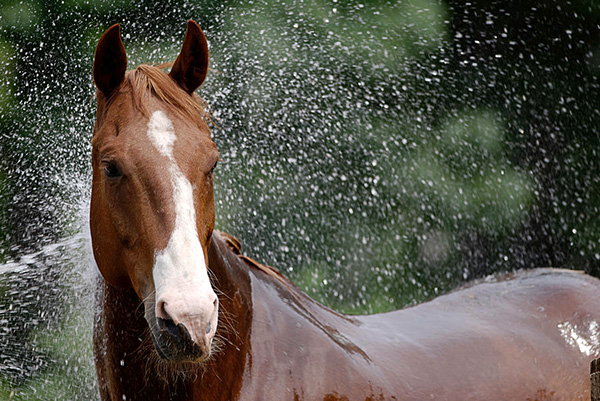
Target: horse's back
[{"x": 529, "y": 335}]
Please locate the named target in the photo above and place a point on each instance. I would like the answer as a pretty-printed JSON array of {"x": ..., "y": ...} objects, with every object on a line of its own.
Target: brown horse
[{"x": 526, "y": 336}]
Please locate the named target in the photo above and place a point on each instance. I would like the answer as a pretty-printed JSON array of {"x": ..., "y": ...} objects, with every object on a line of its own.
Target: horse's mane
[
  {"x": 302, "y": 300},
  {"x": 235, "y": 245},
  {"x": 148, "y": 80}
]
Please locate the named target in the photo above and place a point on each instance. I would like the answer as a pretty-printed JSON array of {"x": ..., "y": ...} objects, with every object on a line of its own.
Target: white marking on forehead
[
  {"x": 180, "y": 271},
  {"x": 162, "y": 133}
]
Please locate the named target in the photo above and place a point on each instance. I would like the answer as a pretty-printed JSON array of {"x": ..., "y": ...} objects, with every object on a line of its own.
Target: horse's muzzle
[{"x": 182, "y": 327}]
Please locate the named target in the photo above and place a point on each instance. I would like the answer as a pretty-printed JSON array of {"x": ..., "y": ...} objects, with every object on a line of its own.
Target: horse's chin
[
  {"x": 171, "y": 367},
  {"x": 178, "y": 353}
]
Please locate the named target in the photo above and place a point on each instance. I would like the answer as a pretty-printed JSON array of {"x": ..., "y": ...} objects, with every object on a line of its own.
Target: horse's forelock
[{"x": 147, "y": 80}]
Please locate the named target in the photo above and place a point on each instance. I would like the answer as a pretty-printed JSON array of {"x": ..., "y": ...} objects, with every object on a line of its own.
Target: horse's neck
[
  {"x": 222, "y": 378},
  {"x": 272, "y": 294},
  {"x": 263, "y": 288},
  {"x": 286, "y": 328}
]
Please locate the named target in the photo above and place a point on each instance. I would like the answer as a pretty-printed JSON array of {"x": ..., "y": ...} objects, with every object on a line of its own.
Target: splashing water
[
  {"x": 586, "y": 339},
  {"x": 46, "y": 319},
  {"x": 378, "y": 152}
]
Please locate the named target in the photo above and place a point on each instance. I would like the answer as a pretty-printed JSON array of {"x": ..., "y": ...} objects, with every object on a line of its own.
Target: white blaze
[
  {"x": 180, "y": 271},
  {"x": 162, "y": 134}
]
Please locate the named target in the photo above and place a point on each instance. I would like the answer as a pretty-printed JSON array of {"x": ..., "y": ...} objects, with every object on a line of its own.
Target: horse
[{"x": 184, "y": 315}]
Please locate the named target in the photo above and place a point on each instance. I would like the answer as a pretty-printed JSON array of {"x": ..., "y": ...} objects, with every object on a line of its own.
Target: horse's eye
[
  {"x": 112, "y": 170},
  {"x": 213, "y": 169}
]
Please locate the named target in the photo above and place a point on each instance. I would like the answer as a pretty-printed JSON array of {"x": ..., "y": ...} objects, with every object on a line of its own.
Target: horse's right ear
[
  {"x": 110, "y": 61},
  {"x": 191, "y": 66}
]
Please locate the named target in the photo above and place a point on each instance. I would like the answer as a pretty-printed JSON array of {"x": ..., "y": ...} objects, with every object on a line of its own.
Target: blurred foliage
[{"x": 378, "y": 152}]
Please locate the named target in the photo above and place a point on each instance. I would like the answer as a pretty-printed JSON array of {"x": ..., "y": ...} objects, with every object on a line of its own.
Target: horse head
[{"x": 152, "y": 207}]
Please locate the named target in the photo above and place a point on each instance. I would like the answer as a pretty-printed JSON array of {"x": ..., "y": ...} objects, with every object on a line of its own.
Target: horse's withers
[{"x": 152, "y": 209}]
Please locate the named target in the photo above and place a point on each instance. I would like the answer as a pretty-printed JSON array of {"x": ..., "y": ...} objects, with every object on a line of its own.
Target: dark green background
[{"x": 378, "y": 152}]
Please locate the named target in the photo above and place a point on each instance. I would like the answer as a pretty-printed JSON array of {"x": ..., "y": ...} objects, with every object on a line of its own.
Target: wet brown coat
[{"x": 493, "y": 341}]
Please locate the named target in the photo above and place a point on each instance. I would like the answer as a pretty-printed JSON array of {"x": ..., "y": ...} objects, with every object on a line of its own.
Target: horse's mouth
[{"x": 174, "y": 343}]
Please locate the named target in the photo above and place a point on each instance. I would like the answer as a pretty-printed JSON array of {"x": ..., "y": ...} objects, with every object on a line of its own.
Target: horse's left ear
[
  {"x": 191, "y": 66},
  {"x": 110, "y": 61}
]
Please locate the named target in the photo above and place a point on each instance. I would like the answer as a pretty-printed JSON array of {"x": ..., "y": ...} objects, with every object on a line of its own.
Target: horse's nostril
[
  {"x": 161, "y": 310},
  {"x": 208, "y": 328},
  {"x": 169, "y": 326}
]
